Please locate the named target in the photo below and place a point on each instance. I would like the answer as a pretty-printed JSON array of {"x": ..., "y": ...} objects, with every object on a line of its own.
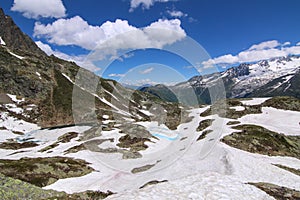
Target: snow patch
[
  {"x": 238, "y": 108},
  {"x": 208, "y": 185},
  {"x": 15, "y": 99},
  {"x": 146, "y": 112},
  {"x": 2, "y": 41},
  {"x": 67, "y": 77},
  {"x": 38, "y": 74},
  {"x": 13, "y": 108},
  {"x": 17, "y": 56},
  {"x": 14, "y": 124},
  {"x": 105, "y": 116},
  {"x": 255, "y": 101},
  {"x": 280, "y": 121}
]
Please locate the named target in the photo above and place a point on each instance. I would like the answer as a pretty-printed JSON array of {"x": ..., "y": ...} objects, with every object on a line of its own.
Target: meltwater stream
[{"x": 164, "y": 133}]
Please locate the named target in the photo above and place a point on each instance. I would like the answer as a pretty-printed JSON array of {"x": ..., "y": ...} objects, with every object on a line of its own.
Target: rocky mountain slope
[
  {"x": 274, "y": 77},
  {"x": 48, "y": 82},
  {"x": 14, "y": 38}
]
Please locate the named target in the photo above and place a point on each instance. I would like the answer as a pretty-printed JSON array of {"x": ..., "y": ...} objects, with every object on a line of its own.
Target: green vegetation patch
[
  {"x": 62, "y": 139},
  {"x": 233, "y": 122},
  {"x": 222, "y": 108},
  {"x": 285, "y": 103},
  {"x": 134, "y": 143},
  {"x": 16, "y": 189},
  {"x": 51, "y": 146},
  {"x": 294, "y": 171},
  {"x": 13, "y": 145},
  {"x": 278, "y": 192},
  {"x": 204, "y": 124},
  {"x": 76, "y": 149},
  {"x": 152, "y": 183},
  {"x": 18, "y": 132},
  {"x": 93, "y": 145},
  {"x": 176, "y": 115},
  {"x": 257, "y": 139},
  {"x": 44, "y": 171},
  {"x": 135, "y": 138},
  {"x": 141, "y": 169},
  {"x": 204, "y": 134}
]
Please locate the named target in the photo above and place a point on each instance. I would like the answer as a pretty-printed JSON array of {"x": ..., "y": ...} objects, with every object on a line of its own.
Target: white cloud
[
  {"x": 116, "y": 75},
  {"x": 263, "y": 51},
  {"x": 79, "y": 60},
  {"x": 252, "y": 56},
  {"x": 191, "y": 20},
  {"x": 292, "y": 50},
  {"x": 147, "y": 71},
  {"x": 122, "y": 57},
  {"x": 110, "y": 36},
  {"x": 176, "y": 13},
  {"x": 45, "y": 47},
  {"x": 40, "y": 8},
  {"x": 265, "y": 45},
  {"x": 298, "y": 44},
  {"x": 219, "y": 60},
  {"x": 142, "y": 82},
  {"x": 145, "y": 82},
  {"x": 146, "y": 4},
  {"x": 74, "y": 31},
  {"x": 188, "y": 67},
  {"x": 164, "y": 32}
]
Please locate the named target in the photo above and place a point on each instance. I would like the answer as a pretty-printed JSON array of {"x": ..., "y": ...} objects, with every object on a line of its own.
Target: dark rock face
[
  {"x": 241, "y": 70},
  {"x": 14, "y": 38},
  {"x": 19, "y": 77}
]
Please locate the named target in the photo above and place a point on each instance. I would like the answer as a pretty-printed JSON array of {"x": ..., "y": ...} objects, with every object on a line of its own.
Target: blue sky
[{"x": 150, "y": 34}]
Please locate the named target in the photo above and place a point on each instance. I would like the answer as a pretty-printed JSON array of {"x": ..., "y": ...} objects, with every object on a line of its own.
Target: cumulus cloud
[
  {"x": 265, "y": 45},
  {"x": 79, "y": 59},
  {"x": 286, "y": 44},
  {"x": 176, "y": 13},
  {"x": 298, "y": 44},
  {"x": 188, "y": 67},
  {"x": 110, "y": 36},
  {"x": 293, "y": 50},
  {"x": 40, "y": 8},
  {"x": 45, "y": 47},
  {"x": 191, "y": 20},
  {"x": 74, "y": 31},
  {"x": 220, "y": 60},
  {"x": 147, "y": 81},
  {"x": 147, "y": 71},
  {"x": 145, "y": 4},
  {"x": 263, "y": 51},
  {"x": 116, "y": 75}
]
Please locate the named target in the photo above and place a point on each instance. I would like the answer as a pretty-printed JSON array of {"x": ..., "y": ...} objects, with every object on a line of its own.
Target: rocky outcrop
[{"x": 14, "y": 38}]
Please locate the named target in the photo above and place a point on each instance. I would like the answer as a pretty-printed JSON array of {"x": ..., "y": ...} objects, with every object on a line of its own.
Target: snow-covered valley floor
[{"x": 191, "y": 169}]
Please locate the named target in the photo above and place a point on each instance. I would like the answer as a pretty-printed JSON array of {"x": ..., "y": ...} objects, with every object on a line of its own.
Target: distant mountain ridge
[{"x": 266, "y": 78}]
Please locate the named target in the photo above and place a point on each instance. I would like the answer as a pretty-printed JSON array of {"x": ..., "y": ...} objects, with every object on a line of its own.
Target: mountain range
[{"x": 267, "y": 78}]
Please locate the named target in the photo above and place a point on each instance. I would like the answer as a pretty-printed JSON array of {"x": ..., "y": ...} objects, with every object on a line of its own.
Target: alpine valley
[{"x": 63, "y": 137}]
